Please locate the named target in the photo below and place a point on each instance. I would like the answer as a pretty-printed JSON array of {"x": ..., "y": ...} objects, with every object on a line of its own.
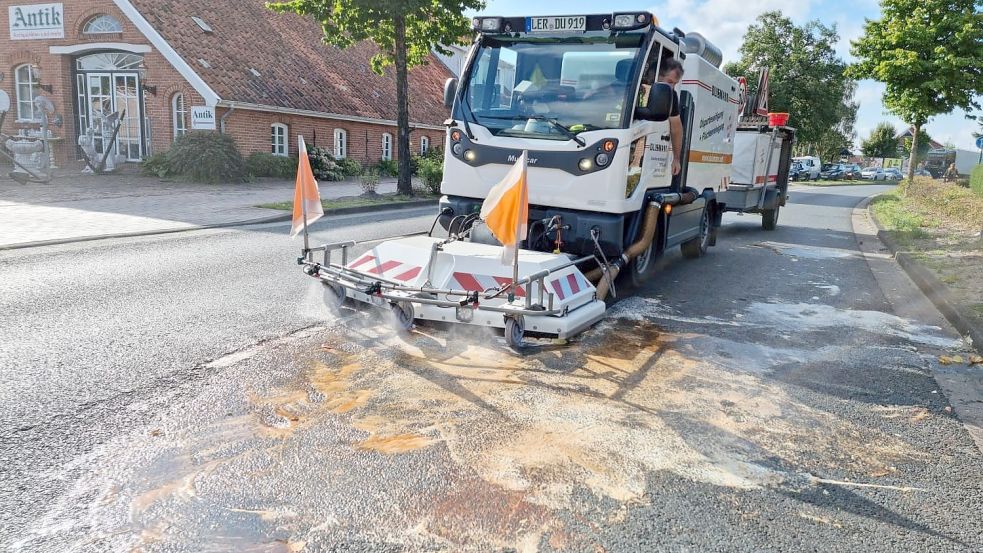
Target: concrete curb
[
  {"x": 927, "y": 282},
  {"x": 262, "y": 220}
]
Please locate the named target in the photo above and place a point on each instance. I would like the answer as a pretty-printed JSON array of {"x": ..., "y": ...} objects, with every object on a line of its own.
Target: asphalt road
[{"x": 193, "y": 393}]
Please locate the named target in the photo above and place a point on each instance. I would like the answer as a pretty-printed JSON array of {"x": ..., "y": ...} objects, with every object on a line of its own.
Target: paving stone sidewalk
[{"x": 78, "y": 207}]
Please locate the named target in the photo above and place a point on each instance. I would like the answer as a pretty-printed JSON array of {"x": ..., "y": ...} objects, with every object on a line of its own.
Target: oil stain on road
[{"x": 443, "y": 438}]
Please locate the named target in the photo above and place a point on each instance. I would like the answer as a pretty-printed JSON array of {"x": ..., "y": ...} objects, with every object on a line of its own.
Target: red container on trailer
[{"x": 777, "y": 119}]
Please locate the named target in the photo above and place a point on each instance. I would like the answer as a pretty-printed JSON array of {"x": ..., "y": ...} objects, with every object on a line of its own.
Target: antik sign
[{"x": 35, "y": 21}]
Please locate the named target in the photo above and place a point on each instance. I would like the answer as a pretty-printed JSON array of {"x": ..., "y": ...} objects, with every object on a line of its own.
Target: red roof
[{"x": 296, "y": 70}]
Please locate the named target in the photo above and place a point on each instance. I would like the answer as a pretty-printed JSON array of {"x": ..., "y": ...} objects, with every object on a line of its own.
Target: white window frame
[
  {"x": 340, "y": 143},
  {"x": 424, "y": 145},
  {"x": 278, "y": 140},
  {"x": 33, "y": 90},
  {"x": 108, "y": 24},
  {"x": 179, "y": 115},
  {"x": 387, "y": 146}
]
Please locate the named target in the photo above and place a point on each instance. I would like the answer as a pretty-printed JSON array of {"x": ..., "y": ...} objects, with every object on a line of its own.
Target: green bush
[
  {"x": 206, "y": 156},
  {"x": 323, "y": 165},
  {"x": 264, "y": 164},
  {"x": 350, "y": 167},
  {"x": 976, "y": 180},
  {"x": 431, "y": 173},
  {"x": 156, "y": 165},
  {"x": 388, "y": 167},
  {"x": 369, "y": 180}
]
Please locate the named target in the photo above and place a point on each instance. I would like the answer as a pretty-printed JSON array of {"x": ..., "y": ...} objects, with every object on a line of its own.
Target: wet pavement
[{"x": 789, "y": 409}]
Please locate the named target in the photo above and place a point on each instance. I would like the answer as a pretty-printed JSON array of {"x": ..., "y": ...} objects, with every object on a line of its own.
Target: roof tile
[{"x": 297, "y": 70}]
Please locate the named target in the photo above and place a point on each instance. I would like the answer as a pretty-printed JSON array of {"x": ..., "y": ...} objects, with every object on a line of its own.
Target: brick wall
[
  {"x": 56, "y": 73},
  {"x": 251, "y": 131}
]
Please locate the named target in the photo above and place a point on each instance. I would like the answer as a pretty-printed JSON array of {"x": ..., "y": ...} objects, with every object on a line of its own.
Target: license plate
[{"x": 556, "y": 24}]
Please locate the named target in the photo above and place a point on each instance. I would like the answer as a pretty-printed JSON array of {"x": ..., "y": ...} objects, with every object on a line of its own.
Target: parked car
[
  {"x": 811, "y": 166},
  {"x": 852, "y": 171},
  {"x": 923, "y": 173},
  {"x": 796, "y": 172},
  {"x": 873, "y": 173},
  {"x": 893, "y": 173},
  {"x": 832, "y": 171}
]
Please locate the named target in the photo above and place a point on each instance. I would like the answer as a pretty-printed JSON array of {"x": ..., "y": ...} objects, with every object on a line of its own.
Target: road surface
[{"x": 193, "y": 392}]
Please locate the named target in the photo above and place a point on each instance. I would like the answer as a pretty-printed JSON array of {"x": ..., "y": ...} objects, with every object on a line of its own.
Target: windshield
[{"x": 552, "y": 87}]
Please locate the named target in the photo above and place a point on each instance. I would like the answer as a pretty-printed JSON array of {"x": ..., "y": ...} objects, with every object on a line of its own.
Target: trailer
[
  {"x": 759, "y": 179},
  {"x": 573, "y": 92}
]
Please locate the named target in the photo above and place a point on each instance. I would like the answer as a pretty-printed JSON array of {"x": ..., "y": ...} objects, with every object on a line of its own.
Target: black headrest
[{"x": 623, "y": 70}]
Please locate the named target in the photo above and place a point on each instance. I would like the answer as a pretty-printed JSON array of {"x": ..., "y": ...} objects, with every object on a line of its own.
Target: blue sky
[{"x": 724, "y": 23}]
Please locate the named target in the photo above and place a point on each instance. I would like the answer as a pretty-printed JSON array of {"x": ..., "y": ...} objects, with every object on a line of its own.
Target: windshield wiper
[{"x": 566, "y": 130}]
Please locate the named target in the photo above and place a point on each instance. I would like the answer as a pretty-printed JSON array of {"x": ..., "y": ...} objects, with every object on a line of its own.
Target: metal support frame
[{"x": 370, "y": 285}]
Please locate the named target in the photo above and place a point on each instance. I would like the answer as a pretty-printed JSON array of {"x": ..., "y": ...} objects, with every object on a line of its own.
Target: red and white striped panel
[
  {"x": 569, "y": 285},
  {"x": 479, "y": 283},
  {"x": 390, "y": 270}
]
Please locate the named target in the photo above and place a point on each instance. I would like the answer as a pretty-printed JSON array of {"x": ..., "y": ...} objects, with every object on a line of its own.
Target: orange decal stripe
[{"x": 696, "y": 156}]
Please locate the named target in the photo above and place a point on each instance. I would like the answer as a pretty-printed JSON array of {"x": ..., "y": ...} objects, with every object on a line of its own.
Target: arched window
[
  {"x": 27, "y": 82},
  {"x": 340, "y": 143},
  {"x": 424, "y": 144},
  {"x": 102, "y": 24},
  {"x": 179, "y": 115},
  {"x": 278, "y": 139},
  {"x": 387, "y": 146}
]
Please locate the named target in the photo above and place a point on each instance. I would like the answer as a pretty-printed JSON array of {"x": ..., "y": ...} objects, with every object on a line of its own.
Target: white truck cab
[{"x": 567, "y": 89}]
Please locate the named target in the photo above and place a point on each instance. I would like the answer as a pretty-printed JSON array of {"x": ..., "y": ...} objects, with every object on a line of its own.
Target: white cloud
[{"x": 724, "y": 22}]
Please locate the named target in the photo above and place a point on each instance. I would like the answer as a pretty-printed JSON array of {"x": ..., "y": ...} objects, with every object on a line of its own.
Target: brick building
[{"x": 265, "y": 77}]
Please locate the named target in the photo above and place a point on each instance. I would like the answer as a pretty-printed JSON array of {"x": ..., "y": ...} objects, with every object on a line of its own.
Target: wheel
[
  {"x": 515, "y": 329},
  {"x": 402, "y": 315},
  {"x": 769, "y": 218},
  {"x": 334, "y": 295},
  {"x": 640, "y": 267},
  {"x": 698, "y": 246}
]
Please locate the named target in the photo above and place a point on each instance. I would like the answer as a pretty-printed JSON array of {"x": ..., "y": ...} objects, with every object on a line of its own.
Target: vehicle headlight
[
  {"x": 602, "y": 159},
  {"x": 585, "y": 164},
  {"x": 457, "y": 149}
]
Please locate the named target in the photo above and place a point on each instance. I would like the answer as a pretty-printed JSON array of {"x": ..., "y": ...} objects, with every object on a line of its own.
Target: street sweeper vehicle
[{"x": 561, "y": 184}]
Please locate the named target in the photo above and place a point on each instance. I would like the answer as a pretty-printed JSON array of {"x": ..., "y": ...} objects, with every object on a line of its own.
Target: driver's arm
[{"x": 676, "y": 135}]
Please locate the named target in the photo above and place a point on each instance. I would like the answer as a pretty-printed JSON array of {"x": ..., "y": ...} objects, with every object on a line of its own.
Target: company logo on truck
[{"x": 513, "y": 158}]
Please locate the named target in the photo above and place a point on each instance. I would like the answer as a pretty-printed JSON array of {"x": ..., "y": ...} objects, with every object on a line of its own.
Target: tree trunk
[
  {"x": 404, "y": 184},
  {"x": 913, "y": 155}
]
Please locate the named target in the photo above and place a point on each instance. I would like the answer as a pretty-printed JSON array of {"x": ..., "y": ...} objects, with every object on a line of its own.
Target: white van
[{"x": 811, "y": 166}]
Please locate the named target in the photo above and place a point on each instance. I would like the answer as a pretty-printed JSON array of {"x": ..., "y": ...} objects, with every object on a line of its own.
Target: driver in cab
[{"x": 670, "y": 72}]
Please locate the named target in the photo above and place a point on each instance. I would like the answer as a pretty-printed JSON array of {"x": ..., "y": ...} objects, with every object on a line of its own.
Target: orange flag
[
  {"x": 307, "y": 198},
  {"x": 506, "y": 209}
]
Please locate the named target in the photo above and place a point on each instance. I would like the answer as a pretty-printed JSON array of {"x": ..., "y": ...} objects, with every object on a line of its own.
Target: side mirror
[
  {"x": 450, "y": 91},
  {"x": 659, "y": 103}
]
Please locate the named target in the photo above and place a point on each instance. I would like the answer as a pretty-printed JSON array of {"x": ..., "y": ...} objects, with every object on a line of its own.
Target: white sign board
[
  {"x": 202, "y": 118},
  {"x": 36, "y": 21}
]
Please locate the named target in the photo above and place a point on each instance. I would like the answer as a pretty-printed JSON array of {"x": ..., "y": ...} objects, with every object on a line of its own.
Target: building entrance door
[{"x": 107, "y": 83}]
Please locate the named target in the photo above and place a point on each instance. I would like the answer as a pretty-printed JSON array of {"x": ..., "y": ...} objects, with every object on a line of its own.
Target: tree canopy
[
  {"x": 882, "y": 141},
  {"x": 405, "y": 32},
  {"x": 807, "y": 77},
  {"x": 928, "y": 53}
]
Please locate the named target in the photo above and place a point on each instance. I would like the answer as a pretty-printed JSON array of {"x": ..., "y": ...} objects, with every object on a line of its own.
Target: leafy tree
[
  {"x": 806, "y": 76},
  {"x": 928, "y": 54},
  {"x": 882, "y": 141},
  {"x": 405, "y": 32}
]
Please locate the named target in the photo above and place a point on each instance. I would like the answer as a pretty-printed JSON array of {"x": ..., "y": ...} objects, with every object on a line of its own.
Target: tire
[
  {"x": 515, "y": 330},
  {"x": 697, "y": 247},
  {"x": 402, "y": 315},
  {"x": 334, "y": 295},
  {"x": 769, "y": 218},
  {"x": 640, "y": 268}
]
